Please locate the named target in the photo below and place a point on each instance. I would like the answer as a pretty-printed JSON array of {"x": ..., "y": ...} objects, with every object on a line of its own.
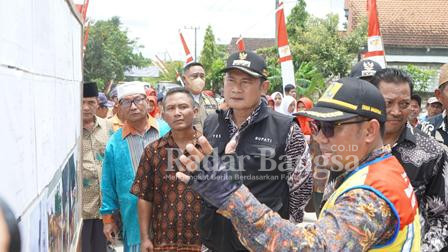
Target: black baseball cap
[
  {"x": 248, "y": 62},
  {"x": 365, "y": 69},
  {"x": 348, "y": 98}
]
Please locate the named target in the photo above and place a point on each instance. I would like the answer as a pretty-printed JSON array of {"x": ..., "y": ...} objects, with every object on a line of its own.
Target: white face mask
[{"x": 197, "y": 85}]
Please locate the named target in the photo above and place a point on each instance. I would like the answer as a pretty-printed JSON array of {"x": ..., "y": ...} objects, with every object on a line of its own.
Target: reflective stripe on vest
[{"x": 386, "y": 178}]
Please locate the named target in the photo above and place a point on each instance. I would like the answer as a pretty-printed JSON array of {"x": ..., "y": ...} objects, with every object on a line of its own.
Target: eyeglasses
[
  {"x": 327, "y": 128},
  {"x": 127, "y": 103}
]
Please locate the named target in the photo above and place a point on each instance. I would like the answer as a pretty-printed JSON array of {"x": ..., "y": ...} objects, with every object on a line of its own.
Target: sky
[{"x": 156, "y": 23}]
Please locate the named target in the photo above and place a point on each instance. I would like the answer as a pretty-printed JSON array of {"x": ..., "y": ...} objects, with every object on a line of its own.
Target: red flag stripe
[
  {"x": 282, "y": 35},
  {"x": 241, "y": 45},
  {"x": 189, "y": 58},
  {"x": 374, "y": 24},
  {"x": 284, "y": 59},
  {"x": 373, "y": 54}
]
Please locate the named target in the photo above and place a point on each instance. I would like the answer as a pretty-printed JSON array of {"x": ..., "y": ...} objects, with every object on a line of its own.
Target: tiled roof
[
  {"x": 407, "y": 23},
  {"x": 252, "y": 44}
]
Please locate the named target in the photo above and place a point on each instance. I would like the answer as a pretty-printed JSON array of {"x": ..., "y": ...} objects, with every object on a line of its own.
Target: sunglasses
[{"x": 327, "y": 128}]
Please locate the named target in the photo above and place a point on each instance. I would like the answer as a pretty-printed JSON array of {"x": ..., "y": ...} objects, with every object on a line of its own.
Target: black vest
[{"x": 261, "y": 141}]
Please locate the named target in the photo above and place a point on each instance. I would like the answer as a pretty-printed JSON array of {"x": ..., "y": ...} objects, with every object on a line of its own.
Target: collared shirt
[
  {"x": 176, "y": 207},
  {"x": 93, "y": 145},
  {"x": 426, "y": 164},
  {"x": 359, "y": 220},
  {"x": 138, "y": 142},
  {"x": 300, "y": 181}
]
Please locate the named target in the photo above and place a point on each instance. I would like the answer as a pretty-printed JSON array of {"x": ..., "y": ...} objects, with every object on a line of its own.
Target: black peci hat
[{"x": 90, "y": 89}]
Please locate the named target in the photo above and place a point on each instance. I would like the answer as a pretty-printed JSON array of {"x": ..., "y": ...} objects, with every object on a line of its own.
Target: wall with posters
[{"x": 40, "y": 94}]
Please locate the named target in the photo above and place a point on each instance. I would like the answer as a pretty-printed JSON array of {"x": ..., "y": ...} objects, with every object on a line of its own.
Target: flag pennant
[
  {"x": 189, "y": 58},
  {"x": 240, "y": 44},
  {"x": 285, "y": 57},
  {"x": 375, "y": 44}
]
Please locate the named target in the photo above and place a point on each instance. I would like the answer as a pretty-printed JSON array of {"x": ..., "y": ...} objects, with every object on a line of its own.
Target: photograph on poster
[{"x": 54, "y": 213}]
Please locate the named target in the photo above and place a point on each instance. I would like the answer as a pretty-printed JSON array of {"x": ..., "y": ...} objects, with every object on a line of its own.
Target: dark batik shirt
[
  {"x": 176, "y": 208},
  {"x": 425, "y": 162}
]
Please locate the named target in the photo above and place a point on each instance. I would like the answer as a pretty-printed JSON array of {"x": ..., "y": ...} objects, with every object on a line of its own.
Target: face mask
[{"x": 197, "y": 85}]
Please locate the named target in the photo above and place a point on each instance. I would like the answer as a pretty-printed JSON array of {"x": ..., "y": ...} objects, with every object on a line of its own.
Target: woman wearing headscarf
[
  {"x": 304, "y": 103},
  {"x": 277, "y": 97},
  {"x": 288, "y": 106}
]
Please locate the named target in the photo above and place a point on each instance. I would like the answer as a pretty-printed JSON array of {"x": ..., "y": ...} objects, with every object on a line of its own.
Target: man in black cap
[
  {"x": 277, "y": 168},
  {"x": 370, "y": 206},
  {"x": 194, "y": 80},
  {"x": 365, "y": 70},
  {"x": 95, "y": 134}
]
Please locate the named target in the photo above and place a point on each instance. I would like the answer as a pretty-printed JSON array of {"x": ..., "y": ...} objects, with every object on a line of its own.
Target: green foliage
[
  {"x": 171, "y": 67},
  {"x": 421, "y": 77},
  {"x": 213, "y": 58},
  {"x": 110, "y": 52},
  {"x": 296, "y": 21}
]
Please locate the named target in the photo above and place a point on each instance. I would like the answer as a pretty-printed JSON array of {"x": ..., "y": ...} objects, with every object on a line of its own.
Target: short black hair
[
  {"x": 392, "y": 75},
  {"x": 417, "y": 98},
  {"x": 190, "y": 65},
  {"x": 177, "y": 90},
  {"x": 289, "y": 87}
]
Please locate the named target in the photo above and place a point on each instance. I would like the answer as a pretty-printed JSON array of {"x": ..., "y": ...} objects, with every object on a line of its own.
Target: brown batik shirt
[{"x": 176, "y": 208}]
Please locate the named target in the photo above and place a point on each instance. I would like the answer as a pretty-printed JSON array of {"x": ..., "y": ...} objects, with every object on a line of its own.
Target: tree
[
  {"x": 110, "y": 52},
  {"x": 213, "y": 59},
  {"x": 420, "y": 77},
  {"x": 296, "y": 21}
]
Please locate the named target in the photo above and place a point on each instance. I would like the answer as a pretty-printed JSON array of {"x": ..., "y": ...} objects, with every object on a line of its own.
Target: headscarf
[
  {"x": 287, "y": 100},
  {"x": 151, "y": 95},
  {"x": 270, "y": 100},
  {"x": 155, "y": 113},
  {"x": 304, "y": 122},
  {"x": 277, "y": 108}
]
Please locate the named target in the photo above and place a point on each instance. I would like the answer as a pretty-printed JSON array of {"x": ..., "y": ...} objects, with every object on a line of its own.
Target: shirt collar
[
  {"x": 442, "y": 125},
  {"x": 229, "y": 116},
  {"x": 168, "y": 140},
  {"x": 407, "y": 135},
  {"x": 97, "y": 124},
  {"x": 129, "y": 130}
]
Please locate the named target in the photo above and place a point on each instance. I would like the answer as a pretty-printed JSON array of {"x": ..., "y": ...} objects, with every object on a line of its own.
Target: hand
[
  {"x": 146, "y": 245},
  {"x": 214, "y": 179},
  {"x": 231, "y": 147},
  {"x": 110, "y": 230}
]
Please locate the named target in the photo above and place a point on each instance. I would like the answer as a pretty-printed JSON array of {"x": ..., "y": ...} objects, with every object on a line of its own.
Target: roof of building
[
  {"x": 406, "y": 23},
  {"x": 251, "y": 44}
]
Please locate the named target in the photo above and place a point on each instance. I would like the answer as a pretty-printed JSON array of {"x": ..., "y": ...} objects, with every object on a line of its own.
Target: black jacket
[{"x": 264, "y": 138}]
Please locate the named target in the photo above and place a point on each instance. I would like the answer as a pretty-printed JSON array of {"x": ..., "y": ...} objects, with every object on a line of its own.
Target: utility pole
[{"x": 195, "y": 28}]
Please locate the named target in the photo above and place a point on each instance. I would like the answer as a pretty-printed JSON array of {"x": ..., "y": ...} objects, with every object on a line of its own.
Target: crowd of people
[{"x": 180, "y": 171}]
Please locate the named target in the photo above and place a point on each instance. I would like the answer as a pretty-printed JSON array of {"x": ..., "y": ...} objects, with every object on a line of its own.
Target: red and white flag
[
  {"x": 240, "y": 44},
  {"x": 374, "y": 42},
  {"x": 284, "y": 51},
  {"x": 189, "y": 58}
]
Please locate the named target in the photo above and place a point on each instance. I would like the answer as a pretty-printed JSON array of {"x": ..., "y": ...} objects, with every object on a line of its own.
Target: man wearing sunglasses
[
  {"x": 122, "y": 157},
  {"x": 371, "y": 206},
  {"x": 423, "y": 158}
]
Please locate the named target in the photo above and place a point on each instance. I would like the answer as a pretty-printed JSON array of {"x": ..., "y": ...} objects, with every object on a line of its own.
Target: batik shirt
[
  {"x": 93, "y": 145},
  {"x": 175, "y": 207},
  {"x": 358, "y": 220},
  {"x": 426, "y": 163}
]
